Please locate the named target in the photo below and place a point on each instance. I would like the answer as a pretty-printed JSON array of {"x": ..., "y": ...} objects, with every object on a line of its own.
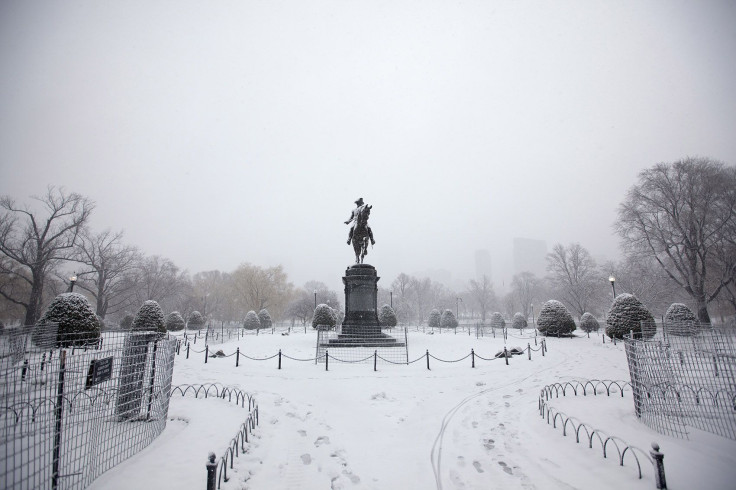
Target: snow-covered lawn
[{"x": 406, "y": 427}]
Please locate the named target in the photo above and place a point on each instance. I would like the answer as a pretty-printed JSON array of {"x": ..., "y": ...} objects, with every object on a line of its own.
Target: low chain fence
[
  {"x": 591, "y": 435},
  {"x": 685, "y": 377},
  {"x": 74, "y": 406},
  {"x": 217, "y": 470},
  {"x": 186, "y": 349}
]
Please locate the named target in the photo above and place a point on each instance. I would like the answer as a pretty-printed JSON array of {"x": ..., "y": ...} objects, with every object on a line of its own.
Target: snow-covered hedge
[
  {"x": 434, "y": 319},
  {"x": 251, "y": 321},
  {"x": 265, "y": 318},
  {"x": 588, "y": 323},
  {"x": 554, "y": 319},
  {"x": 150, "y": 317},
  {"x": 387, "y": 316},
  {"x": 519, "y": 321},
  {"x": 196, "y": 320},
  {"x": 497, "y": 320},
  {"x": 680, "y": 320},
  {"x": 628, "y": 314},
  {"x": 174, "y": 321},
  {"x": 323, "y": 316},
  {"x": 448, "y": 320},
  {"x": 77, "y": 322}
]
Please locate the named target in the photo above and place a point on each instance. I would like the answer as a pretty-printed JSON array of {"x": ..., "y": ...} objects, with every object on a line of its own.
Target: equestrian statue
[{"x": 360, "y": 232}]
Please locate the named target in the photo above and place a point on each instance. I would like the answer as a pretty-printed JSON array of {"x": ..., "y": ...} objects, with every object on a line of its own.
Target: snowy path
[{"x": 406, "y": 427}]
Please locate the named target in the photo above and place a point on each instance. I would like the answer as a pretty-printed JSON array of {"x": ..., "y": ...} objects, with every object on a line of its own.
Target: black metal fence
[
  {"x": 685, "y": 376},
  {"x": 74, "y": 406}
]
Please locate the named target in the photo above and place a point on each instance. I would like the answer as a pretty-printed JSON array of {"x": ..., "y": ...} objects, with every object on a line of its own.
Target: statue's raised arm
[{"x": 360, "y": 232}]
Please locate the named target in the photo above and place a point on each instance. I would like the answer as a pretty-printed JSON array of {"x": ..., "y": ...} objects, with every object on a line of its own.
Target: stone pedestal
[
  {"x": 361, "y": 301},
  {"x": 361, "y": 328}
]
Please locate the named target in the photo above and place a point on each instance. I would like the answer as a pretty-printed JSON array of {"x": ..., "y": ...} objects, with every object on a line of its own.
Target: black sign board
[{"x": 100, "y": 370}]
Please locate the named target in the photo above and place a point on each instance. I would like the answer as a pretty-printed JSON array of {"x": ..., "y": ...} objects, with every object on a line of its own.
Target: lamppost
[
  {"x": 315, "y": 299},
  {"x": 204, "y": 306},
  {"x": 532, "y": 305},
  {"x": 72, "y": 280},
  {"x": 457, "y": 302},
  {"x": 392, "y": 298},
  {"x": 613, "y": 285}
]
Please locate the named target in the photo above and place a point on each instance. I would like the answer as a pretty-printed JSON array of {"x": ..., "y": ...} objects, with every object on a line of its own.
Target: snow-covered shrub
[
  {"x": 434, "y": 319},
  {"x": 519, "y": 321},
  {"x": 150, "y": 317},
  {"x": 265, "y": 318},
  {"x": 448, "y": 320},
  {"x": 554, "y": 319},
  {"x": 196, "y": 320},
  {"x": 127, "y": 322},
  {"x": 680, "y": 320},
  {"x": 588, "y": 323},
  {"x": 628, "y": 314},
  {"x": 497, "y": 320},
  {"x": 387, "y": 316},
  {"x": 323, "y": 316},
  {"x": 174, "y": 321},
  {"x": 251, "y": 321},
  {"x": 77, "y": 322}
]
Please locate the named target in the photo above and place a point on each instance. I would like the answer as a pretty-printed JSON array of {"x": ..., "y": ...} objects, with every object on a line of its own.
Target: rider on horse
[{"x": 354, "y": 216}]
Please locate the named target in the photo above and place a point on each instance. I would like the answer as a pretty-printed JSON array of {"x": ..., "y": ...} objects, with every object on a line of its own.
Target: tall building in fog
[
  {"x": 530, "y": 255},
  {"x": 482, "y": 264}
]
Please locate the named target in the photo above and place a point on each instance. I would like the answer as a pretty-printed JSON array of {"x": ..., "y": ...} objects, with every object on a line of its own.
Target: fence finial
[{"x": 658, "y": 457}]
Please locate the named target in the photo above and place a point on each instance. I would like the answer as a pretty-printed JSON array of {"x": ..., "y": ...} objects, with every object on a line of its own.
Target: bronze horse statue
[{"x": 361, "y": 234}]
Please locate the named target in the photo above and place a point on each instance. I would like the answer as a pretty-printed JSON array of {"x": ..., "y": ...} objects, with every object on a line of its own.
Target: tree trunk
[
  {"x": 33, "y": 309},
  {"x": 702, "y": 306}
]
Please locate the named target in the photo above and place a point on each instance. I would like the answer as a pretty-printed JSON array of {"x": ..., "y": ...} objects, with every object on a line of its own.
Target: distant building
[
  {"x": 483, "y": 265},
  {"x": 531, "y": 256}
]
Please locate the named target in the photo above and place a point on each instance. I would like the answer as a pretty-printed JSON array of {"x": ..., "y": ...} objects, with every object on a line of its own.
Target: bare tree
[
  {"x": 159, "y": 279},
  {"x": 108, "y": 263},
  {"x": 681, "y": 214},
  {"x": 34, "y": 242},
  {"x": 482, "y": 294},
  {"x": 574, "y": 276},
  {"x": 645, "y": 279},
  {"x": 525, "y": 286},
  {"x": 257, "y": 288}
]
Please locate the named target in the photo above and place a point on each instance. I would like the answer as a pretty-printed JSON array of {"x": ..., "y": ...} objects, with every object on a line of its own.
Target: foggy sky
[{"x": 216, "y": 133}]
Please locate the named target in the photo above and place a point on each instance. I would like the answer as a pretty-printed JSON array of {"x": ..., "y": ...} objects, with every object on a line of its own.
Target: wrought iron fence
[
  {"x": 74, "y": 406},
  {"x": 685, "y": 376}
]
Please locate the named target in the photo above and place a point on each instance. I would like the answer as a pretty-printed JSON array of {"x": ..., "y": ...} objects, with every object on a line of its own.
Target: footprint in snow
[
  {"x": 506, "y": 468},
  {"x": 321, "y": 440},
  {"x": 306, "y": 459},
  {"x": 461, "y": 461},
  {"x": 478, "y": 467},
  {"x": 488, "y": 444},
  {"x": 302, "y": 433}
]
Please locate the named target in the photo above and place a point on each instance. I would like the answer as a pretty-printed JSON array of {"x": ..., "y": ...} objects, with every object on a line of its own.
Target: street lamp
[
  {"x": 457, "y": 302},
  {"x": 613, "y": 285},
  {"x": 315, "y": 299},
  {"x": 392, "y": 298},
  {"x": 532, "y": 305},
  {"x": 72, "y": 280}
]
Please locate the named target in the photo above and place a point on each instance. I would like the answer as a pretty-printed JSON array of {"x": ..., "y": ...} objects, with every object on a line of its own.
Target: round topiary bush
[
  {"x": 387, "y": 316},
  {"x": 434, "y": 319},
  {"x": 519, "y": 321},
  {"x": 174, "y": 322},
  {"x": 150, "y": 317},
  {"x": 448, "y": 320},
  {"x": 680, "y": 320},
  {"x": 127, "y": 322},
  {"x": 628, "y": 314},
  {"x": 588, "y": 323},
  {"x": 77, "y": 322},
  {"x": 554, "y": 319},
  {"x": 497, "y": 320},
  {"x": 251, "y": 321},
  {"x": 196, "y": 320},
  {"x": 323, "y": 317},
  {"x": 265, "y": 318}
]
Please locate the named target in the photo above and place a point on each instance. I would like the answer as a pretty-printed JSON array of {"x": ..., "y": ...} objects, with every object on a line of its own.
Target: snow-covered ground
[{"x": 406, "y": 427}]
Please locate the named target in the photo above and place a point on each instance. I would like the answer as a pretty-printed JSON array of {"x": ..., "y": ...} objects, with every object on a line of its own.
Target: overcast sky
[{"x": 219, "y": 132}]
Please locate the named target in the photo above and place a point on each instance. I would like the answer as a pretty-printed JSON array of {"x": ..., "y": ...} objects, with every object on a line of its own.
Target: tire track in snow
[{"x": 436, "y": 453}]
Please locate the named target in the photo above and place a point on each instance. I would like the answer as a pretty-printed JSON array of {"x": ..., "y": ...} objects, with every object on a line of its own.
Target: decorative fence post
[
  {"x": 206, "y": 353},
  {"x": 375, "y": 359},
  {"x": 58, "y": 414},
  {"x": 153, "y": 379},
  {"x": 472, "y": 356},
  {"x": 237, "y": 357},
  {"x": 211, "y": 471},
  {"x": 542, "y": 347},
  {"x": 279, "y": 358},
  {"x": 506, "y": 355},
  {"x": 187, "y": 351},
  {"x": 658, "y": 457},
  {"x": 529, "y": 349},
  {"x": 327, "y": 361},
  {"x": 428, "y": 359}
]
